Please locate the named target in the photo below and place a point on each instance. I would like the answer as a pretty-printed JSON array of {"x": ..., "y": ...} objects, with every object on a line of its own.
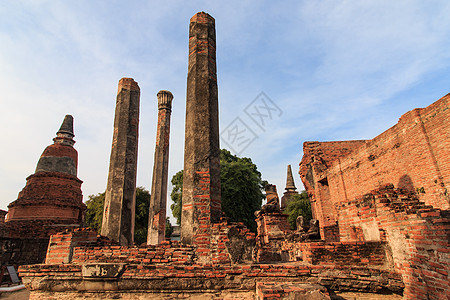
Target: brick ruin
[
  {"x": 120, "y": 202},
  {"x": 158, "y": 196},
  {"x": 201, "y": 174},
  {"x": 393, "y": 190},
  {"x": 381, "y": 205},
  {"x": 51, "y": 201},
  {"x": 290, "y": 189}
]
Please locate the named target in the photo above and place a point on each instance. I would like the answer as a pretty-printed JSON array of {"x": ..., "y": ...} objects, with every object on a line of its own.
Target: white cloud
[{"x": 333, "y": 67}]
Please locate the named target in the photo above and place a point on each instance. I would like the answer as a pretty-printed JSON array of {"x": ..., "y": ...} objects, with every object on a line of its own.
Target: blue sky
[{"x": 336, "y": 70}]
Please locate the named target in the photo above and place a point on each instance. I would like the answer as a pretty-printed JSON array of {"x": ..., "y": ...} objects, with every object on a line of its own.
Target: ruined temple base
[
  {"x": 201, "y": 295},
  {"x": 243, "y": 281}
]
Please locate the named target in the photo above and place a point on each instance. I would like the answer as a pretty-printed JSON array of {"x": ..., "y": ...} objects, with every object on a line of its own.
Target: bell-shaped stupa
[{"x": 53, "y": 192}]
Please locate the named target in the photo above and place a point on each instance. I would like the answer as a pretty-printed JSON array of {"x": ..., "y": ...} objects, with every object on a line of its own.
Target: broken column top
[
  {"x": 129, "y": 84},
  {"x": 202, "y": 17}
]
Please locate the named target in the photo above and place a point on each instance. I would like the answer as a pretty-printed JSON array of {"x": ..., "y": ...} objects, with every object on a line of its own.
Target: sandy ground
[
  {"x": 364, "y": 296},
  {"x": 17, "y": 295}
]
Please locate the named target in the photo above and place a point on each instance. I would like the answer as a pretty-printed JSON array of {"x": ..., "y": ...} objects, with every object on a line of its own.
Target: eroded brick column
[
  {"x": 119, "y": 210},
  {"x": 158, "y": 200},
  {"x": 201, "y": 177}
]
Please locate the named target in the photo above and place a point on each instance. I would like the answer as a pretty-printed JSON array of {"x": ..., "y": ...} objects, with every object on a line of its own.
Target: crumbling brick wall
[
  {"x": 49, "y": 195},
  {"x": 173, "y": 253},
  {"x": 418, "y": 235},
  {"x": 226, "y": 243},
  {"x": 17, "y": 252},
  {"x": 25, "y": 242},
  {"x": 272, "y": 230},
  {"x": 368, "y": 254},
  {"x": 62, "y": 244},
  {"x": 413, "y": 155},
  {"x": 317, "y": 158}
]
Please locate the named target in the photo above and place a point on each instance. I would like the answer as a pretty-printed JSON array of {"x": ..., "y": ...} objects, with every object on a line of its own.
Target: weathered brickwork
[
  {"x": 418, "y": 235},
  {"x": 160, "y": 279},
  {"x": 120, "y": 202},
  {"x": 406, "y": 172},
  {"x": 201, "y": 176},
  {"x": 317, "y": 158},
  {"x": 390, "y": 240},
  {"x": 53, "y": 192},
  {"x": 17, "y": 252},
  {"x": 171, "y": 253},
  {"x": 25, "y": 242},
  {"x": 49, "y": 195},
  {"x": 229, "y": 243},
  {"x": 413, "y": 155},
  {"x": 158, "y": 198},
  {"x": 60, "y": 248},
  {"x": 2, "y": 215},
  {"x": 51, "y": 201},
  {"x": 368, "y": 254},
  {"x": 272, "y": 230}
]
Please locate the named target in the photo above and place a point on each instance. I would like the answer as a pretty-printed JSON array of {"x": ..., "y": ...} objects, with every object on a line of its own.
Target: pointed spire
[
  {"x": 290, "y": 185},
  {"x": 67, "y": 126},
  {"x": 65, "y": 133}
]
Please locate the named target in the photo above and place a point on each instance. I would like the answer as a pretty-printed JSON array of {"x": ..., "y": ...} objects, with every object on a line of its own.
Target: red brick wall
[
  {"x": 61, "y": 245},
  {"x": 224, "y": 244},
  {"x": 317, "y": 158},
  {"x": 173, "y": 253},
  {"x": 418, "y": 235},
  {"x": 49, "y": 195},
  {"x": 368, "y": 254},
  {"x": 25, "y": 242},
  {"x": 193, "y": 280},
  {"x": 2, "y": 215},
  {"x": 412, "y": 155}
]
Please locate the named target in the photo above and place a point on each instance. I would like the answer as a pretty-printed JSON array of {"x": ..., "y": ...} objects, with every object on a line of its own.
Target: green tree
[
  {"x": 169, "y": 228},
  {"x": 177, "y": 189},
  {"x": 94, "y": 213},
  {"x": 241, "y": 189},
  {"x": 141, "y": 219},
  {"x": 298, "y": 206}
]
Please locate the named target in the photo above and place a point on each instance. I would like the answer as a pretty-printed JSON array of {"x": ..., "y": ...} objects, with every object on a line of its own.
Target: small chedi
[
  {"x": 380, "y": 207},
  {"x": 290, "y": 189},
  {"x": 50, "y": 202}
]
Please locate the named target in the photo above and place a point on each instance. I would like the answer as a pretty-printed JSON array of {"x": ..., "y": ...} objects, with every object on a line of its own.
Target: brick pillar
[
  {"x": 201, "y": 177},
  {"x": 119, "y": 210},
  {"x": 158, "y": 200}
]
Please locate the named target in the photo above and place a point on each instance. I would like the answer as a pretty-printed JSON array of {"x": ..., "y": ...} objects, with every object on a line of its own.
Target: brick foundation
[{"x": 213, "y": 280}]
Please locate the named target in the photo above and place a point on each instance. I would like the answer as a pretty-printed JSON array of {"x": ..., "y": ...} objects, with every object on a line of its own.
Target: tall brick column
[
  {"x": 158, "y": 200},
  {"x": 201, "y": 177},
  {"x": 119, "y": 210}
]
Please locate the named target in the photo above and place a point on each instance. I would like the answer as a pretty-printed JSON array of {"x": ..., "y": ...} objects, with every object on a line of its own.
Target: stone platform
[{"x": 200, "y": 281}]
